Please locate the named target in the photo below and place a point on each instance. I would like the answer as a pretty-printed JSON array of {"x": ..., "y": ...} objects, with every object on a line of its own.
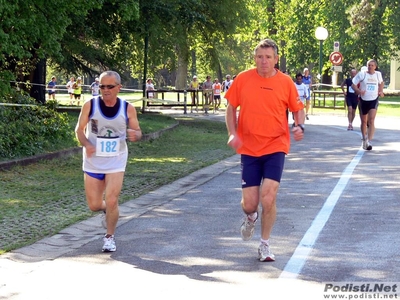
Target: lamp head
[{"x": 321, "y": 33}]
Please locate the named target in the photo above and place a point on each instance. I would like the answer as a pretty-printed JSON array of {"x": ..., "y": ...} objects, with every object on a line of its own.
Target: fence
[
  {"x": 178, "y": 98},
  {"x": 328, "y": 99}
]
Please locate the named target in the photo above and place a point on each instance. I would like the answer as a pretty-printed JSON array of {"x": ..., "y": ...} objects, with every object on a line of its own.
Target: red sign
[{"x": 336, "y": 58}]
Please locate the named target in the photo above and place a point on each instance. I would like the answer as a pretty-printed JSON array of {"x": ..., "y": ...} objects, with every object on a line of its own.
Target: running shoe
[
  {"x": 350, "y": 127},
  {"x": 368, "y": 145},
  {"x": 307, "y": 117},
  {"x": 264, "y": 253},
  {"x": 364, "y": 144},
  {"x": 247, "y": 228},
  {"x": 109, "y": 244}
]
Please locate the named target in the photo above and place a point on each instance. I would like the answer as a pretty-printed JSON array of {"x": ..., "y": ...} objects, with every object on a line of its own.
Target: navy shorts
[
  {"x": 96, "y": 175},
  {"x": 366, "y": 106},
  {"x": 352, "y": 100},
  {"x": 255, "y": 169}
]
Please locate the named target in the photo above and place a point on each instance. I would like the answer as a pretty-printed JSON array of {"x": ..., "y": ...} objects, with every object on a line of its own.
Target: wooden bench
[{"x": 328, "y": 99}]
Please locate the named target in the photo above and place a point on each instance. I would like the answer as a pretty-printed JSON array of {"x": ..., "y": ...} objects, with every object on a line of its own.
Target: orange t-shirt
[{"x": 262, "y": 122}]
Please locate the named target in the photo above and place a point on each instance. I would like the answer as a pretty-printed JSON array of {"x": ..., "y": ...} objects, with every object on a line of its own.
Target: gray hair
[
  {"x": 267, "y": 43},
  {"x": 111, "y": 74}
]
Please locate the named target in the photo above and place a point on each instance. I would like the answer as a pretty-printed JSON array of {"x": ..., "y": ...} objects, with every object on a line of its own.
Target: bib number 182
[{"x": 107, "y": 147}]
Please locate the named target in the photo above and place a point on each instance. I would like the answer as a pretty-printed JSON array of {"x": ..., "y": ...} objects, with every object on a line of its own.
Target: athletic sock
[
  {"x": 253, "y": 216},
  {"x": 266, "y": 242}
]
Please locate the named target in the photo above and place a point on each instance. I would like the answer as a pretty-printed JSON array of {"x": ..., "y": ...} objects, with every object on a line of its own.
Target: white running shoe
[
  {"x": 109, "y": 244},
  {"x": 264, "y": 253},
  {"x": 247, "y": 228},
  {"x": 364, "y": 144}
]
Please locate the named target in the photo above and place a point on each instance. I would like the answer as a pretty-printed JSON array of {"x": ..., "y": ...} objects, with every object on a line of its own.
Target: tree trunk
[
  {"x": 182, "y": 70},
  {"x": 38, "y": 79}
]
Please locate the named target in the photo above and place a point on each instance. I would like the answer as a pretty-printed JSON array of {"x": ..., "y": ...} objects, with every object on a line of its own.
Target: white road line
[{"x": 300, "y": 255}]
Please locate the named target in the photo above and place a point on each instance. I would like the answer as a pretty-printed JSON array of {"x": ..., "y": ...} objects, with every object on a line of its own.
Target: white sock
[
  {"x": 266, "y": 242},
  {"x": 252, "y": 216}
]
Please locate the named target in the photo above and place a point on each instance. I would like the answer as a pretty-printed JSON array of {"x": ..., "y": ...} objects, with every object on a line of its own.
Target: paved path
[{"x": 337, "y": 222}]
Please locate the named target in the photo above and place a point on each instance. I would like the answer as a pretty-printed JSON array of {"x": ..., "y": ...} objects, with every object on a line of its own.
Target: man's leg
[
  {"x": 308, "y": 104},
  {"x": 113, "y": 186},
  {"x": 371, "y": 123},
  {"x": 353, "y": 114},
  {"x": 350, "y": 113},
  {"x": 94, "y": 189},
  {"x": 250, "y": 199},
  {"x": 269, "y": 190},
  {"x": 364, "y": 119}
]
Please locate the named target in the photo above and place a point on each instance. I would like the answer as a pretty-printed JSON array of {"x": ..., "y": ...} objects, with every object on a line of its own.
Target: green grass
[
  {"x": 388, "y": 106},
  {"x": 41, "y": 199}
]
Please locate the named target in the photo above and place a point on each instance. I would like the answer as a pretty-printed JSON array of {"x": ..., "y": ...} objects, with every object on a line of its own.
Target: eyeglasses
[{"x": 107, "y": 86}]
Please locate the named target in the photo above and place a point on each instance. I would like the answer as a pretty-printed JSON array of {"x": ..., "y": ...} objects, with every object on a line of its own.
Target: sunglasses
[{"x": 107, "y": 86}]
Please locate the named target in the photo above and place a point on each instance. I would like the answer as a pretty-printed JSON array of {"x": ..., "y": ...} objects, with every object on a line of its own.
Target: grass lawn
[{"x": 40, "y": 199}]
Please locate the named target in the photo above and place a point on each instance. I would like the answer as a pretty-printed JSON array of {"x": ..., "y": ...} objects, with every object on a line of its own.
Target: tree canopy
[{"x": 179, "y": 38}]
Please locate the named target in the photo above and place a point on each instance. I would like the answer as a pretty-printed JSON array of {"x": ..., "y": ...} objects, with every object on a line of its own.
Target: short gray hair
[
  {"x": 111, "y": 74},
  {"x": 267, "y": 43}
]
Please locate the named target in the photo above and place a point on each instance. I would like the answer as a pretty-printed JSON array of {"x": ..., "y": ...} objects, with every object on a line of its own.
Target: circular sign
[{"x": 336, "y": 58}]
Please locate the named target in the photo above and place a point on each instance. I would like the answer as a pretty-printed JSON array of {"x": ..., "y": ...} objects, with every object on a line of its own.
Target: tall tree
[{"x": 29, "y": 32}]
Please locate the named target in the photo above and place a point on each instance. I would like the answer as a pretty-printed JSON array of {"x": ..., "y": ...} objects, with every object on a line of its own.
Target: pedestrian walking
[
  {"x": 77, "y": 90},
  {"x": 302, "y": 90},
  {"x": 52, "y": 88},
  {"x": 70, "y": 88},
  {"x": 307, "y": 80},
  {"x": 208, "y": 93},
  {"x": 95, "y": 87},
  {"x": 217, "y": 87},
  {"x": 351, "y": 98}
]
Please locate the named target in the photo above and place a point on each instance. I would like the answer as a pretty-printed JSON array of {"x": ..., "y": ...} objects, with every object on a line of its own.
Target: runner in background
[{"x": 370, "y": 89}]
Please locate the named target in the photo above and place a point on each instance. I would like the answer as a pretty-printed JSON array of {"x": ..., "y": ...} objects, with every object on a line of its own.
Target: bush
[{"x": 31, "y": 128}]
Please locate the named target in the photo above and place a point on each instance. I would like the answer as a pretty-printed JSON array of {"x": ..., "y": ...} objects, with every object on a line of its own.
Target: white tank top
[{"x": 109, "y": 137}]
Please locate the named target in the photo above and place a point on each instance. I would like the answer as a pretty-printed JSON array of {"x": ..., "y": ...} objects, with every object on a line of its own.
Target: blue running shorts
[
  {"x": 96, "y": 175},
  {"x": 255, "y": 169}
]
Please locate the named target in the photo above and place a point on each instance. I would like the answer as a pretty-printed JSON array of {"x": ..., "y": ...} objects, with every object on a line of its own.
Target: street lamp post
[{"x": 321, "y": 34}]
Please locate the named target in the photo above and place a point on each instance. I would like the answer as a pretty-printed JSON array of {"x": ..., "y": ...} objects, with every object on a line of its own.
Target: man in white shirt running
[{"x": 370, "y": 89}]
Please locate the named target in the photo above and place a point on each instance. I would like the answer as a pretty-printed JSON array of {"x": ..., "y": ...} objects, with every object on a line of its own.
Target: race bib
[{"x": 107, "y": 146}]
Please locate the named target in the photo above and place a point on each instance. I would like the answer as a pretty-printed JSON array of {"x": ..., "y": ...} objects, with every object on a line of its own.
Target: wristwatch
[{"x": 301, "y": 126}]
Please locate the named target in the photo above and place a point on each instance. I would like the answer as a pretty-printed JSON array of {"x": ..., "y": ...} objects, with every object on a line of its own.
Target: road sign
[
  {"x": 336, "y": 46},
  {"x": 336, "y": 58},
  {"x": 337, "y": 68}
]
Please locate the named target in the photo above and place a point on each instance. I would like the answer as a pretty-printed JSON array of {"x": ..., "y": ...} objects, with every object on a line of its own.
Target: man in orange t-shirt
[{"x": 261, "y": 135}]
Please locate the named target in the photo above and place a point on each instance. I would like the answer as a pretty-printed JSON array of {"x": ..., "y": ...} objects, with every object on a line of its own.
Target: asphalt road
[{"x": 338, "y": 211}]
